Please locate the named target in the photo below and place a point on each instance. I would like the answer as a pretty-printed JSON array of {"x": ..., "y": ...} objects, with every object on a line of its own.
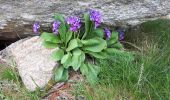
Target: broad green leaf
[
  {"x": 94, "y": 45},
  {"x": 92, "y": 75},
  {"x": 99, "y": 32},
  {"x": 65, "y": 75},
  {"x": 100, "y": 55},
  {"x": 89, "y": 26},
  {"x": 94, "y": 69},
  {"x": 58, "y": 73},
  {"x": 91, "y": 78},
  {"x": 113, "y": 39},
  {"x": 57, "y": 55},
  {"x": 68, "y": 36},
  {"x": 63, "y": 29},
  {"x": 90, "y": 71},
  {"x": 113, "y": 51},
  {"x": 49, "y": 45},
  {"x": 50, "y": 37},
  {"x": 59, "y": 17},
  {"x": 74, "y": 43},
  {"x": 118, "y": 45},
  {"x": 87, "y": 22},
  {"x": 82, "y": 57},
  {"x": 84, "y": 69},
  {"x": 76, "y": 59},
  {"x": 61, "y": 74},
  {"x": 66, "y": 60}
]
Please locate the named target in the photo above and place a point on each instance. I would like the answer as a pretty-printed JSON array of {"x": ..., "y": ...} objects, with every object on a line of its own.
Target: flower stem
[
  {"x": 78, "y": 34},
  {"x": 74, "y": 35},
  {"x": 85, "y": 34}
]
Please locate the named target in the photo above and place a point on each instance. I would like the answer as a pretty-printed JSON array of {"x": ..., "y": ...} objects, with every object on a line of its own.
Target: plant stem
[
  {"x": 78, "y": 35},
  {"x": 85, "y": 34},
  {"x": 131, "y": 44},
  {"x": 74, "y": 35},
  {"x": 141, "y": 73}
]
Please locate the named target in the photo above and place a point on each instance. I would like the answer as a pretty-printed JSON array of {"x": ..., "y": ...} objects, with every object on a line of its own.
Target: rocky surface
[
  {"x": 17, "y": 16},
  {"x": 32, "y": 61}
]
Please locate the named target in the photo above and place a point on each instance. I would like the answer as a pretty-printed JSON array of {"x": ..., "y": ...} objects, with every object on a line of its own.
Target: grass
[
  {"x": 11, "y": 87},
  {"x": 146, "y": 78}
]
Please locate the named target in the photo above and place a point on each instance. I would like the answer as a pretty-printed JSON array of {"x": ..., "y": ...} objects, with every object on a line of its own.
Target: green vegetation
[
  {"x": 76, "y": 47},
  {"x": 146, "y": 78},
  {"x": 11, "y": 87}
]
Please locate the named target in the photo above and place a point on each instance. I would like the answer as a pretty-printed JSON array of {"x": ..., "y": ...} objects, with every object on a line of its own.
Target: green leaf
[
  {"x": 118, "y": 45},
  {"x": 63, "y": 29},
  {"x": 66, "y": 60},
  {"x": 94, "y": 69},
  {"x": 61, "y": 74},
  {"x": 94, "y": 45},
  {"x": 68, "y": 36},
  {"x": 57, "y": 55},
  {"x": 59, "y": 17},
  {"x": 84, "y": 69},
  {"x": 76, "y": 59},
  {"x": 91, "y": 72},
  {"x": 100, "y": 55},
  {"x": 92, "y": 79},
  {"x": 99, "y": 32},
  {"x": 82, "y": 57},
  {"x": 87, "y": 22},
  {"x": 92, "y": 75},
  {"x": 113, "y": 51},
  {"x": 58, "y": 73},
  {"x": 49, "y": 45},
  {"x": 74, "y": 43},
  {"x": 50, "y": 37},
  {"x": 65, "y": 75},
  {"x": 113, "y": 39}
]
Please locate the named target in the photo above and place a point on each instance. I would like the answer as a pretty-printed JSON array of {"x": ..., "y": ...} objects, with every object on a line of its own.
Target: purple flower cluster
[
  {"x": 107, "y": 33},
  {"x": 96, "y": 17},
  {"x": 56, "y": 25},
  {"x": 36, "y": 27},
  {"x": 121, "y": 35},
  {"x": 74, "y": 22}
]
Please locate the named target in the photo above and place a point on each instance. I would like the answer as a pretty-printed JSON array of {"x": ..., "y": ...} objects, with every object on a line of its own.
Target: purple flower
[
  {"x": 56, "y": 25},
  {"x": 36, "y": 27},
  {"x": 96, "y": 17},
  {"x": 74, "y": 22},
  {"x": 121, "y": 35},
  {"x": 107, "y": 33}
]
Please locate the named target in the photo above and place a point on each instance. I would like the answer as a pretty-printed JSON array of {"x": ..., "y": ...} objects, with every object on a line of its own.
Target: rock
[
  {"x": 166, "y": 17},
  {"x": 80, "y": 97},
  {"x": 32, "y": 61},
  {"x": 17, "y": 16}
]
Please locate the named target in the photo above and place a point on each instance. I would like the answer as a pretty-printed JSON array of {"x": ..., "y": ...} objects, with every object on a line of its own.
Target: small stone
[{"x": 80, "y": 97}]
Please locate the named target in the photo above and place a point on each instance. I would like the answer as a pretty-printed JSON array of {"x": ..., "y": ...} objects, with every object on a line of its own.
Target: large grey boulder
[
  {"x": 32, "y": 60},
  {"x": 17, "y": 16}
]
